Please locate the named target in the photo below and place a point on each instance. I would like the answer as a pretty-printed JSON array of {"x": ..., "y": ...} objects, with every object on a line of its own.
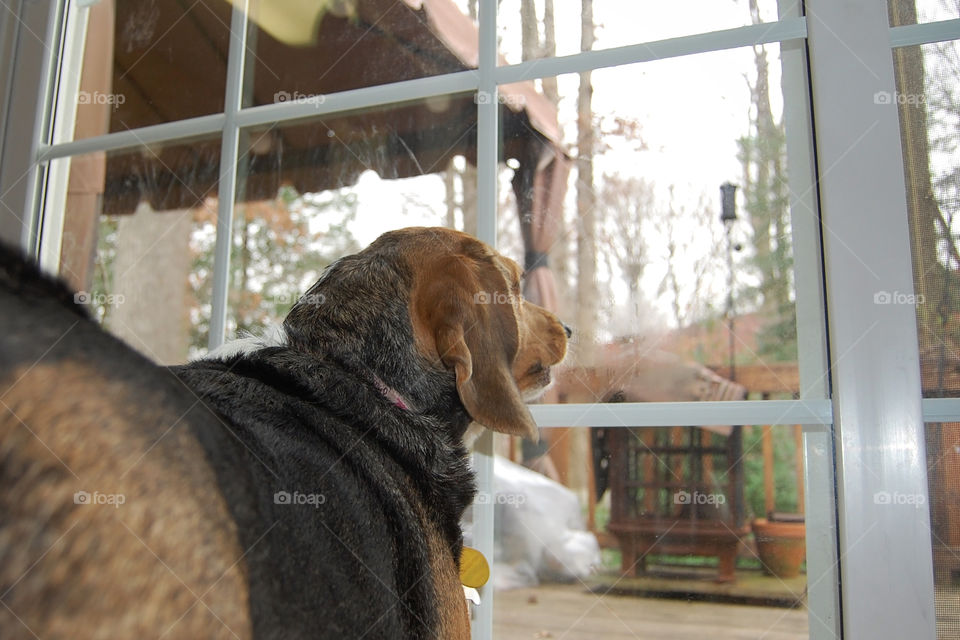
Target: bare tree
[
  {"x": 625, "y": 202},
  {"x": 928, "y": 225},
  {"x": 689, "y": 277}
]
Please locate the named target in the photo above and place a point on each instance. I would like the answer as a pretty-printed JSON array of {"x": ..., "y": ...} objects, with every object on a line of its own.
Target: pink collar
[{"x": 391, "y": 394}]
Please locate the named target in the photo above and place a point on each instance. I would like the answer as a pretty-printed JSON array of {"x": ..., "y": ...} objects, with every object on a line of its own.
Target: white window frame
[{"x": 860, "y": 404}]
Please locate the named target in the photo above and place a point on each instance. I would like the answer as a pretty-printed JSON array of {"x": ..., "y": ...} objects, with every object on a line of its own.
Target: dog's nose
[{"x": 567, "y": 330}]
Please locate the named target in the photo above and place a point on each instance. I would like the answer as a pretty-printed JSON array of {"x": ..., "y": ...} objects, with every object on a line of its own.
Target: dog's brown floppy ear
[{"x": 474, "y": 333}]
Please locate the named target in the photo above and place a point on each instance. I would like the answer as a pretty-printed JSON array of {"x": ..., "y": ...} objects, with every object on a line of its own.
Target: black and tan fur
[{"x": 201, "y": 548}]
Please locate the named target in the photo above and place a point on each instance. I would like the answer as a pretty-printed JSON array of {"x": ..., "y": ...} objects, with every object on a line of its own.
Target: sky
[{"x": 691, "y": 111}]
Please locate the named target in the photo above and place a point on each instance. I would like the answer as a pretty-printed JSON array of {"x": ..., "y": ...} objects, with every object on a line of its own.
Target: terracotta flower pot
[{"x": 781, "y": 545}]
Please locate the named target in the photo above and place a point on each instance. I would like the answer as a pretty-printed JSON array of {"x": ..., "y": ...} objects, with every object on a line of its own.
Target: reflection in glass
[
  {"x": 300, "y": 50},
  {"x": 682, "y": 304},
  {"x": 316, "y": 189},
  {"x": 133, "y": 222},
  {"x": 147, "y": 63}
]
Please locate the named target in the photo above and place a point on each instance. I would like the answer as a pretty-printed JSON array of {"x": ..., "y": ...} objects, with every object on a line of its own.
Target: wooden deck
[{"x": 571, "y": 612}]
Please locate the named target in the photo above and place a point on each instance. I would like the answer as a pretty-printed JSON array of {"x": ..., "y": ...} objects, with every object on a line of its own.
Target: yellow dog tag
[{"x": 474, "y": 570}]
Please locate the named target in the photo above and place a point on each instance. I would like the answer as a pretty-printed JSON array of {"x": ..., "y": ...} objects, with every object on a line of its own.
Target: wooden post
[
  {"x": 798, "y": 466},
  {"x": 559, "y": 439},
  {"x": 705, "y": 441},
  {"x": 650, "y": 471},
  {"x": 591, "y": 487},
  {"x": 769, "y": 490}
]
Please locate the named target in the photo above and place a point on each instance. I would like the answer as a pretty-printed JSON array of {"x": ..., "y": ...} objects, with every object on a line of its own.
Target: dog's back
[
  {"x": 313, "y": 488},
  {"x": 111, "y": 524},
  {"x": 137, "y": 500}
]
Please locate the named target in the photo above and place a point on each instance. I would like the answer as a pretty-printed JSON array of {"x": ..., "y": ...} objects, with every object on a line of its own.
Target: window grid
[{"x": 813, "y": 411}]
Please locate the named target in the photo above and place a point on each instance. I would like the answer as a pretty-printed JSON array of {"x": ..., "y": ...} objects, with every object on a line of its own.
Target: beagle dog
[{"x": 309, "y": 485}]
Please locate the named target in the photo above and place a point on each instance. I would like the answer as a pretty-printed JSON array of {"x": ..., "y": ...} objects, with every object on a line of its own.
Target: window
[
  {"x": 221, "y": 155},
  {"x": 926, "y": 97}
]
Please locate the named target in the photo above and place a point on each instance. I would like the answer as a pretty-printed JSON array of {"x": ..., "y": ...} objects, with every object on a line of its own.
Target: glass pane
[
  {"x": 904, "y": 12},
  {"x": 675, "y": 532},
  {"x": 927, "y": 97},
  {"x": 532, "y": 29},
  {"x": 147, "y": 63},
  {"x": 621, "y": 229},
  {"x": 668, "y": 301},
  {"x": 313, "y": 191},
  {"x": 132, "y": 227},
  {"x": 299, "y": 50}
]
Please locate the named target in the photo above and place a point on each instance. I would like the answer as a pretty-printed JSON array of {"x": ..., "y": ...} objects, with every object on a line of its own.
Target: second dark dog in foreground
[{"x": 309, "y": 486}]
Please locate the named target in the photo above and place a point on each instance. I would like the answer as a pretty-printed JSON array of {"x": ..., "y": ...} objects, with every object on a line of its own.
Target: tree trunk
[
  {"x": 468, "y": 186},
  {"x": 549, "y": 50},
  {"x": 586, "y": 197},
  {"x": 923, "y": 208},
  {"x": 450, "y": 195},
  {"x": 529, "y": 33},
  {"x": 560, "y": 251}
]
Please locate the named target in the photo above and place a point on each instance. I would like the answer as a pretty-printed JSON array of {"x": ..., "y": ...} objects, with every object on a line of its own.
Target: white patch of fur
[
  {"x": 273, "y": 336},
  {"x": 473, "y": 433}
]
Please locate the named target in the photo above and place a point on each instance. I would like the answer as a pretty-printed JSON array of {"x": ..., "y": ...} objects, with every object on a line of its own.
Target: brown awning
[
  {"x": 163, "y": 61},
  {"x": 172, "y": 66}
]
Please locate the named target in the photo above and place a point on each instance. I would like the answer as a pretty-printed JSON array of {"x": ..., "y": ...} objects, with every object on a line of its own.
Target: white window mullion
[
  {"x": 886, "y": 566},
  {"x": 29, "y": 114},
  {"x": 268, "y": 114},
  {"x": 229, "y": 161},
  {"x": 487, "y": 170},
  {"x": 786, "y": 29},
  {"x": 63, "y": 126},
  {"x": 683, "y": 414},
  {"x": 941, "y": 409},
  {"x": 820, "y": 513},
  {"x": 135, "y": 138},
  {"x": 925, "y": 33}
]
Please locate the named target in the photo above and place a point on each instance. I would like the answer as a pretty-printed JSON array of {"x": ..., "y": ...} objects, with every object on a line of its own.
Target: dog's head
[
  {"x": 464, "y": 315},
  {"x": 468, "y": 313}
]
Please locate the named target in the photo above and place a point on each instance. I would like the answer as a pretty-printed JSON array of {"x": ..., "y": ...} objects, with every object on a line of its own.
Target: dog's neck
[
  {"x": 422, "y": 390},
  {"x": 392, "y": 394},
  {"x": 427, "y": 392}
]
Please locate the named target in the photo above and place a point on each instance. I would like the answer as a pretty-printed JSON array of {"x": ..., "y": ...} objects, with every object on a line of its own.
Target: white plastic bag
[{"x": 539, "y": 533}]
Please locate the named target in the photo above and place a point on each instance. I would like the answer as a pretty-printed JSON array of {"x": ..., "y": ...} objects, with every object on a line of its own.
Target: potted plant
[{"x": 781, "y": 543}]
